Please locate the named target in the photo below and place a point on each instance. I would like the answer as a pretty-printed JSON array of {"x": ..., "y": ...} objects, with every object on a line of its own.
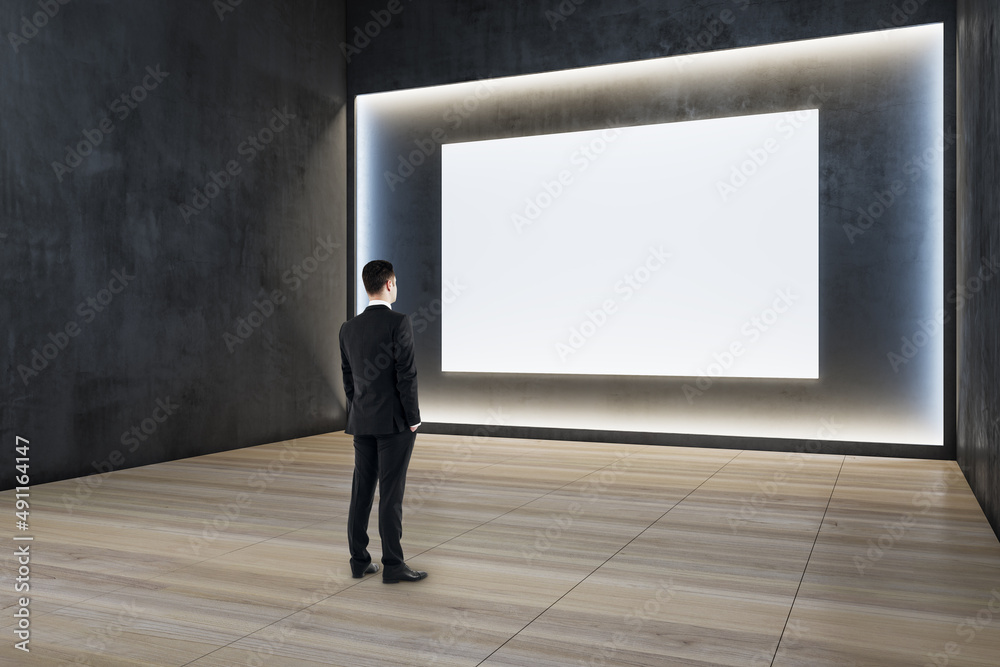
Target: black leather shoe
[
  {"x": 394, "y": 575},
  {"x": 371, "y": 569}
]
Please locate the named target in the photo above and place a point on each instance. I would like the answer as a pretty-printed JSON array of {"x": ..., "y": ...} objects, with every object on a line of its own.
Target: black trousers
[{"x": 382, "y": 459}]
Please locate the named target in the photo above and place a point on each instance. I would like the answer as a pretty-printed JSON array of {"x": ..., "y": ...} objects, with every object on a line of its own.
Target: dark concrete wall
[
  {"x": 978, "y": 449},
  {"x": 865, "y": 311},
  {"x": 139, "y": 331},
  {"x": 430, "y": 43}
]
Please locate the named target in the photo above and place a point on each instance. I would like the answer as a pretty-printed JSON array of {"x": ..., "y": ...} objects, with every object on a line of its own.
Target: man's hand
[{"x": 413, "y": 429}]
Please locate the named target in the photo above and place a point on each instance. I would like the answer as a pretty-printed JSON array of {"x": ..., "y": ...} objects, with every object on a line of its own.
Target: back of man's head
[{"x": 375, "y": 275}]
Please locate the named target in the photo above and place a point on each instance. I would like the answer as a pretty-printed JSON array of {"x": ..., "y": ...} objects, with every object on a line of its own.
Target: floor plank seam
[
  {"x": 819, "y": 529},
  {"x": 161, "y": 574},
  {"x": 264, "y": 587},
  {"x": 514, "y": 509},
  {"x": 275, "y": 622},
  {"x": 225, "y": 553},
  {"x": 622, "y": 548},
  {"x": 361, "y": 581}
]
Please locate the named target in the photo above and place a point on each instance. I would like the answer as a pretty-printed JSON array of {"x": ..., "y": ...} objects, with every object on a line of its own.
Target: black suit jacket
[{"x": 380, "y": 375}]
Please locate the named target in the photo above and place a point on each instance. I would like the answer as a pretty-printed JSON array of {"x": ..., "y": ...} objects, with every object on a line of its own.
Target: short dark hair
[{"x": 375, "y": 275}]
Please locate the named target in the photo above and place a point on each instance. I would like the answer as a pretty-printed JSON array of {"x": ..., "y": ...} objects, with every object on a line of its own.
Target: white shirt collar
[{"x": 379, "y": 302}]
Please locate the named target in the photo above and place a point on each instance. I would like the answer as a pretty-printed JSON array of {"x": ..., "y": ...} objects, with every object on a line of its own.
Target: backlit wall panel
[{"x": 881, "y": 295}]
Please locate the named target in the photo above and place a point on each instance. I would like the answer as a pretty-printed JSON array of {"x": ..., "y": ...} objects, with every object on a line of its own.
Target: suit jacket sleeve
[
  {"x": 345, "y": 368},
  {"x": 406, "y": 371}
]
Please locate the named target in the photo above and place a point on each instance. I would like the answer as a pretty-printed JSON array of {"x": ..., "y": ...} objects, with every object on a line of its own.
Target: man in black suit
[{"x": 380, "y": 379}]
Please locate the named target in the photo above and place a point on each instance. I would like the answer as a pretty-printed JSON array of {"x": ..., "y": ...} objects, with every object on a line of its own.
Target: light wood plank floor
[{"x": 539, "y": 553}]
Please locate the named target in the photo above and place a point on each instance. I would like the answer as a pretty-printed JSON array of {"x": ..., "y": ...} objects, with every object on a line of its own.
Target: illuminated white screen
[{"x": 678, "y": 249}]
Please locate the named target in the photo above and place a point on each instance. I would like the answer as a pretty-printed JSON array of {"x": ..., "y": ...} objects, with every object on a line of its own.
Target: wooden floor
[{"x": 539, "y": 553}]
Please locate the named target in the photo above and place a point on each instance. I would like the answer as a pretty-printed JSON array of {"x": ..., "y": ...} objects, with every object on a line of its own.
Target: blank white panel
[{"x": 677, "y": 249}]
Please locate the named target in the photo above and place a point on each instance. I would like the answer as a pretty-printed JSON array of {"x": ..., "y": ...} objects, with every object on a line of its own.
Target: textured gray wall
[
  {"x": 871, "y": 129},
  {"x": 431, "y": 43},
  {"x": 132, "y": 334},
  {"x": 979, "y": 236}
]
